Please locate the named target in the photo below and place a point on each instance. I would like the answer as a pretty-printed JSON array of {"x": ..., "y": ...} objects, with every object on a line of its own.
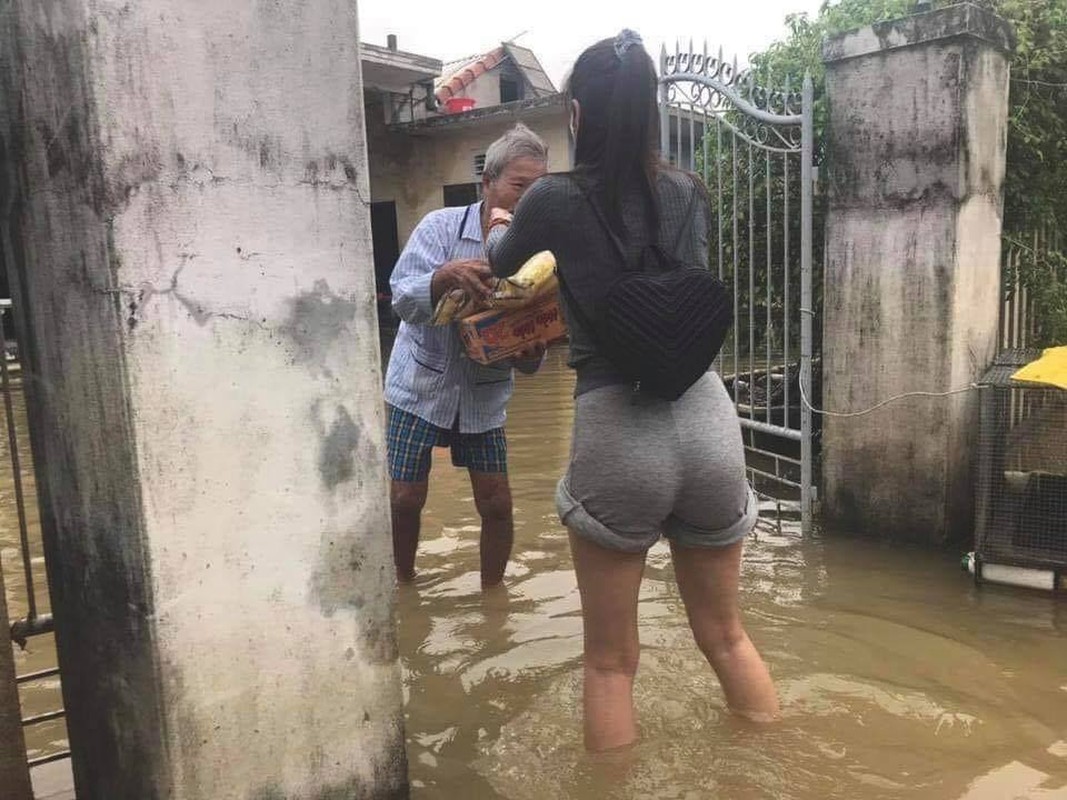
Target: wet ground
[{"x": 899, "y": 678}]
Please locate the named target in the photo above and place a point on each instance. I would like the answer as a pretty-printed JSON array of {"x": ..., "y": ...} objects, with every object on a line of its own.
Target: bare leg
[
  {"x": 492, "y": 497},
  {"x": 407, "y": 500},
  {"x": 609, "y": 582},
  {"x": 708, "y": 581}
]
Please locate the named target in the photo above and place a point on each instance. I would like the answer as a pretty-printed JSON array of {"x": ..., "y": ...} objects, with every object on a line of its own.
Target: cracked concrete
[
  {"x": 140, "y": 294},
  {"x": 191, "y": 288}
]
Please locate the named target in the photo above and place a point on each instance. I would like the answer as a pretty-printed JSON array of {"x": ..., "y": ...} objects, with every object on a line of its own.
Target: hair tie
[{"x": 625, "y": 40}]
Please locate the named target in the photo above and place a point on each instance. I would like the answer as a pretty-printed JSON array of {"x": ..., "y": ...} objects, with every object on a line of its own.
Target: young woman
[{"x": 640, "y": 467}]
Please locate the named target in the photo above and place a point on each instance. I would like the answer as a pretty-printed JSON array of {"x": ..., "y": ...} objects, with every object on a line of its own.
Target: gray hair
[{"x": 519, "y": 142}]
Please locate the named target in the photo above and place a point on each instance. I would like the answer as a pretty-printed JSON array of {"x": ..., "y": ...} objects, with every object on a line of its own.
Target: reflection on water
[
  {"x": 898, "y": 678},
  {"x": 43, "y": 695}
]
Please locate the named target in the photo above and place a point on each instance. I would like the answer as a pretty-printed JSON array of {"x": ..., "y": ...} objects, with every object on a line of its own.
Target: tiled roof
[{"x": 452, "y": 84}]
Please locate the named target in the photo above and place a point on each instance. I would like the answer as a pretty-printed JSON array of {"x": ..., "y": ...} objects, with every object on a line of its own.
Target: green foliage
[
  {"x": 800, "y": 52},
  {"x": 1034, "y": 194},
  {"x": 1040, "y": 269},
  {"x": 751, "y": 237}
]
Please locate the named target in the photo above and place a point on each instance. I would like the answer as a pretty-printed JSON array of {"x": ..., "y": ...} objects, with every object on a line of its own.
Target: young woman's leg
[
  {"x": 708, "y": 581},
  {"x": 608, "y": 581}
]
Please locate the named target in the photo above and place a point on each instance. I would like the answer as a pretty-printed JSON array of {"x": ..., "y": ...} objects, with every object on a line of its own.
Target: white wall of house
[
  {"x": 412, "y": 169},
  {"x": 485, "y": 89}
]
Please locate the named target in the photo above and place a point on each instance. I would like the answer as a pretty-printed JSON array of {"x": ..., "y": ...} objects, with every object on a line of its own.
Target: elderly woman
[{"x": 435, "y": 395}]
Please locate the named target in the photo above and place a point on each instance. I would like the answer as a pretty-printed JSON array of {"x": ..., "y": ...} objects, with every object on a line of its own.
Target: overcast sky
[{"x": 558, "y": 30}]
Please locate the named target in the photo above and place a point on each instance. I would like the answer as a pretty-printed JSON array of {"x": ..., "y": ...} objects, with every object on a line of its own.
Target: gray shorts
[{"x": 652, "y": 468}]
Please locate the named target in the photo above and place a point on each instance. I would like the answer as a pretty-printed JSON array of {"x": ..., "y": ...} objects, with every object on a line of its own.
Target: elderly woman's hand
[
  {"x": 499, "y": 216},
  {"x": 530, "y": 358}
]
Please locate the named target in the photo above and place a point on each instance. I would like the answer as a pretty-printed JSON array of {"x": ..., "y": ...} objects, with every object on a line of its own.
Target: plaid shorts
[{"x": 411, "y": 439}]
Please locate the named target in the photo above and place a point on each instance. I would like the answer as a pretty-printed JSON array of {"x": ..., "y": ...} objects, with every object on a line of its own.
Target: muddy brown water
[{"x": 899, "y": 678}]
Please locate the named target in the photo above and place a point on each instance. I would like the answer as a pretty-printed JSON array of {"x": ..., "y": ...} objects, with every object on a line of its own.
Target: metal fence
[
  {"x": 753, "y": 146},
  {"x": 1020, "y": 319},
  {"x": 1022, "y": 472},
  {"x": 30, "y": 591}
]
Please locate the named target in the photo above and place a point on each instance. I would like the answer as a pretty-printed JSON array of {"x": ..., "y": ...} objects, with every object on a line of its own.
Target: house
[{"x": 429, "y": 124}]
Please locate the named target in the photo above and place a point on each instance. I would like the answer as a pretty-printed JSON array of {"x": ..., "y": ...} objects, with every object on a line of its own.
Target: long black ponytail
[{"x": 617, "y": 146}]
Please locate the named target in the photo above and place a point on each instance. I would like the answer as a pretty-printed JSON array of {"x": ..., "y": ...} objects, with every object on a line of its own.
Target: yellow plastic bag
[{"x": 1050, "y": 369}]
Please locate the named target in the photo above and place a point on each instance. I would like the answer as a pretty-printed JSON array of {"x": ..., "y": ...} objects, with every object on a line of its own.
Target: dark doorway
[{"x": 386, "y": 242}]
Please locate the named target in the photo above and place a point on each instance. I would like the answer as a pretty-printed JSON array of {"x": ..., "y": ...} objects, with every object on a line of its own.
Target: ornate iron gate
[{"x": 753, "y": 146}]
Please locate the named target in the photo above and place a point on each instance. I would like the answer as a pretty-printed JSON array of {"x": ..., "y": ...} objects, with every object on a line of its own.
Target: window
[
  {"x": 460, "y": 194},
  {"x": 479, "y": 165},
  {"x": 510, "y": 90}
]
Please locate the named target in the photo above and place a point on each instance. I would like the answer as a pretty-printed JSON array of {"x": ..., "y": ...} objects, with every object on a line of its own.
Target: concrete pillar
[
  {"x": 917, "y": 134},
  {"x": 14, "y": 773},
  {"x": 185, "y": 209}
]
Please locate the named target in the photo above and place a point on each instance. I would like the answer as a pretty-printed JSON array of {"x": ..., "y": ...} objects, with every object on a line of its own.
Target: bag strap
[
  {"x": 572, "y": 301},
  {"x": 584, "y": 318},
  {"x": 463, "y": 223},
  {"x": 655, "y": 246},
  {"x": 459, "y": 233},
  {"x": 604, "y": 225},
  {"x": 576, "y": 307}
]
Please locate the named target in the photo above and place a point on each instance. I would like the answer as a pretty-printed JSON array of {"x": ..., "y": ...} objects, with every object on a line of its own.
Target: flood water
[
  {"x": 898, "y": 678},
  {"x": 40, "y": 696}
]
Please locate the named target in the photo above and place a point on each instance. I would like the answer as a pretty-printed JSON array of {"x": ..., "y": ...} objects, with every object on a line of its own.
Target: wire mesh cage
[{"x": 1022, "y": 470}]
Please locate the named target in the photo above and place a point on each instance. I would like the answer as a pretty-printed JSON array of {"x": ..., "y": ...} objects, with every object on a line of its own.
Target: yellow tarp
[{"x": 1050, "y": 369}]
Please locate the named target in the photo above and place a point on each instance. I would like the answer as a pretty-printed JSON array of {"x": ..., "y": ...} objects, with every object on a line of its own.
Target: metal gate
[
  {"x": 753, "y": 146},
  {"x": 35, "y": 674}
]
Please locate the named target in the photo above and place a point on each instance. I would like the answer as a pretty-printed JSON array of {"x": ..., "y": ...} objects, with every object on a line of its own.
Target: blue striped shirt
[{"x": 429, "y": 373}]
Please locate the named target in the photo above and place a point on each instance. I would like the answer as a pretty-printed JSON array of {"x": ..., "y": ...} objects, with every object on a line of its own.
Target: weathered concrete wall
[
  {"x": 186, "y": 194},
  {"x": 411, "y": 168},
  {"x": 917, "y": 147}
]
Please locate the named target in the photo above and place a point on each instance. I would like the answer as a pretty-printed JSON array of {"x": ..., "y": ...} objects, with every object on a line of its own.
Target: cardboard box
[{"x": 495, "y": 335}]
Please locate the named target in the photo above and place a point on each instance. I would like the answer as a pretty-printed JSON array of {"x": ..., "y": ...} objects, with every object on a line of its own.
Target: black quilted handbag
[{"x": 660, "y": 328}]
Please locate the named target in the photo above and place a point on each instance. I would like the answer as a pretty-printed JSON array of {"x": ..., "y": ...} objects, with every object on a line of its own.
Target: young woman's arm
[{"x": 531, "y": 230}]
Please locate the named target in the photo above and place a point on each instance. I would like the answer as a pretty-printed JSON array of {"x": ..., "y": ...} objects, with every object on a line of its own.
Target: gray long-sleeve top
[{"x": 555, "y": 215}]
